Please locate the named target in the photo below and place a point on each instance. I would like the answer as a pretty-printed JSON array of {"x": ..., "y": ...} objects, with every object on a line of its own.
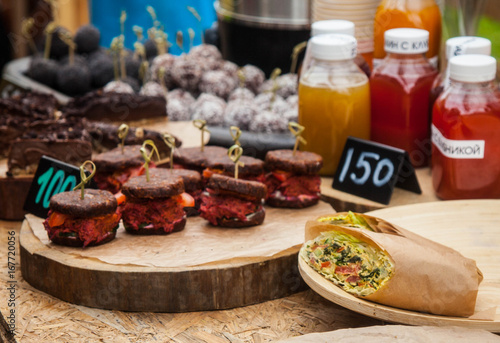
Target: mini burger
[
  {"x": 231, "y": 202},
  {"x": 192, "y": 185},
  {"x": 292, "y": 180},
  {"x": 252, "y": 169},
  {"x": 116, "y": 166},
  {"x": 77, "y": 222},
  {"x": 195, "y": 159},
  {"x": 154, "y": 207}
]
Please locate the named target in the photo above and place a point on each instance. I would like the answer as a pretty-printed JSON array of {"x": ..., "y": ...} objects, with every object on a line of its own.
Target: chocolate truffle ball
[
  {"x": 230, "y": 68},
  {"x": 240, "y": 113},
  {"x": 166, "y": 61},
  {"x": 254, "y": 77},
  {"x": 118, "y": 87},
  {"x": 210, "y": 108},
  {"x": 286, "y": 85},
  {"x": 151, "y": 49},
  {"x": 241, "y": 94},
  {"x": 101, "y": 70},
  {"x": 152, "y": 88},
  {"x": 293, "y": 100},
  {"x": 187, "y": 72},
  {"x": 207, "y": 55},
  {"x": 73, "y": 79},
  {"x": 43, "y": 70},
  {"x": 181, "y": 95},
  {"x": 268, "y": 122},
  {"x": 58, "y": 49},
  {"x": 178, "y": 105},
  {"x": 87, "y": 39},
  {"x": 218, "y": 83},
  {"x": 265, "y": 101}
]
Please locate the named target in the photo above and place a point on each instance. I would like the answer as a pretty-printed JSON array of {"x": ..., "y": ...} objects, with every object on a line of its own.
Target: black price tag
[
  {"x": 371, "y": 170},
  {"x": 52, "y": 176}
]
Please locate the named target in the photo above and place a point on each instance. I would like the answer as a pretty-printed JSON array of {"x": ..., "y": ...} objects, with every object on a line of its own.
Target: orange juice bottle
[
  {"x": 334, "y": 98},
  {"x": 420, "y": 14}
]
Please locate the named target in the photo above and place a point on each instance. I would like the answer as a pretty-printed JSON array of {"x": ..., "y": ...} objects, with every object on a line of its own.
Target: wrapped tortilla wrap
[{"x": 377, "y": 261}]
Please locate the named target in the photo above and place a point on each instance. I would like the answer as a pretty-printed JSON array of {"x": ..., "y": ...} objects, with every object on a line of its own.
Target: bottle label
[
  {"x": 406, "y": 46},
  {"x": 457, "y": 149}
]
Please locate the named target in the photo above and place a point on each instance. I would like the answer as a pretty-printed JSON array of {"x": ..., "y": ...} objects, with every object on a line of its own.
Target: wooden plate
[{"x": 469, "y": 226}]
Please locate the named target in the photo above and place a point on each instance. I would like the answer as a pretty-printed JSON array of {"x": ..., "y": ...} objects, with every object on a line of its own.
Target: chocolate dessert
[
  {"x": 104, "y": 137},
  {"x": 100, "y": 106},
  {"x": 218, "y": 83},
  {"x": 65, "y": 140},
  {"x": 209, "y": 108}
]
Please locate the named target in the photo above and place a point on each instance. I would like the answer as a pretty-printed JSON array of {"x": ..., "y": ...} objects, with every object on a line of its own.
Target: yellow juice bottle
[{"x": 334, "y": 99}]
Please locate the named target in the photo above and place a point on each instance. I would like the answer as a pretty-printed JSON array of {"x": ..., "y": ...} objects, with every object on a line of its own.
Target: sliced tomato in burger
[
  {"x": 281, "y": 175},
  {"x": 57, "y": 219},
  {"x": 185, "y": 200}
]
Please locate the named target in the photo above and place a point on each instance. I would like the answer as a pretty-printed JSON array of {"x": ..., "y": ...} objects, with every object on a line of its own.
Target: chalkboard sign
[
  {"x": 52, "y": 176},
  {"x": 371, "y": 170}
]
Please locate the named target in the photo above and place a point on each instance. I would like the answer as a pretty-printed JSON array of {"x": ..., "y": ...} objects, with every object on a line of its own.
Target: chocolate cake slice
[
  {"x": 104, "y": 137},
  {"x": 19, "y": 111},
  {"x": 116, "y": 107},
  {"x": 66, "y": 140}
]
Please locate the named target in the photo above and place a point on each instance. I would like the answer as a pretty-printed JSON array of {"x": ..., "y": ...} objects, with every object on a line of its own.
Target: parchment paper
[{"x": 199, "y": 243}]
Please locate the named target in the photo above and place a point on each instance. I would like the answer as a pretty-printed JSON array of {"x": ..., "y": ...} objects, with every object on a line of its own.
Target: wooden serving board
[
  {"x": 468, "y": 226},
  {"x": 88, "y": 277},
  {"x": 342, "y": 201}
]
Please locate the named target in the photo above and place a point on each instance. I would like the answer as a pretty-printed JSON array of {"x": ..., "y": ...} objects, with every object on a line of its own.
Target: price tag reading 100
[
  {"x": 52, "y": 176},
  {"x": 52, "y": 182},
  {"x": 371, "y": 170}
]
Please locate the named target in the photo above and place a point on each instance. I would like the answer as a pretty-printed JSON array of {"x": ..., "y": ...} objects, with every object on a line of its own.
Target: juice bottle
[
  {"x": 420, "y": 14},
  {"x": 465, "y": 45},
  {"x": 338, "y": 26},
  {"x": 334, "y": 99},
  {"x": 465, "y": 132},
  {"x": 400, "y": 89}
]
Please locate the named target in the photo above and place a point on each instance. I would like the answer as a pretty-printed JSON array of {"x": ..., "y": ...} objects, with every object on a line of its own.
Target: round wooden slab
[
  {"x": 81, "y": 276},
  {"x": 468, "y": 226}
]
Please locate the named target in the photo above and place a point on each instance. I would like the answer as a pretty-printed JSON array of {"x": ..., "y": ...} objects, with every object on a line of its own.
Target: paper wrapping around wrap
[{"x": 427, "y": 276}]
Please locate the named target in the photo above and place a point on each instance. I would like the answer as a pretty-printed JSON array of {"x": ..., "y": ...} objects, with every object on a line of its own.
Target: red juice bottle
[
  {"x": 466, "y": 132},
  {"x": 457, "y": 46},
  {"x": 400, "y": 88}
]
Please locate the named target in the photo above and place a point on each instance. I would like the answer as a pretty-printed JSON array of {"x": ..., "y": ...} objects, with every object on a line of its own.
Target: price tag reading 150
[
  {"x": 371, "y": 170},
  {"x": 52, "y": 176}
]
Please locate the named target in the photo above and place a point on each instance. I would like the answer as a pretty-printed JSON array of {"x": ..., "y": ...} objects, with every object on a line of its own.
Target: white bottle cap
[
  {"x": 467, "y": 45},
  {"x": 473, "y": 68},
  {"x": 406, "y": 41},
  {"x": 321, "y": 27},
  {"x": 333, "y": 47}
]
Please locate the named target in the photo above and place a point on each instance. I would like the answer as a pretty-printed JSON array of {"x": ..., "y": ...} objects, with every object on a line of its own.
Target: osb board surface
[{"x": 42, "y": 318}]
